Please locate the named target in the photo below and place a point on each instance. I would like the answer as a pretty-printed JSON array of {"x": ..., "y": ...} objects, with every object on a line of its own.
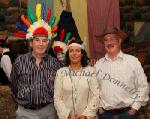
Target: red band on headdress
[
  {"x": 40, "y": 31},
  {"x": 58, "y": 49}
]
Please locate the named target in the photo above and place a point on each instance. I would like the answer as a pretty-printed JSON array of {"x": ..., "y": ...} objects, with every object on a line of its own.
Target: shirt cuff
[{"x": 136, "y": 106}]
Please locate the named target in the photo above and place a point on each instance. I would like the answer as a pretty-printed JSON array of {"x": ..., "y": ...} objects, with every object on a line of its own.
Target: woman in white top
[{"x": 76, "y": 88}]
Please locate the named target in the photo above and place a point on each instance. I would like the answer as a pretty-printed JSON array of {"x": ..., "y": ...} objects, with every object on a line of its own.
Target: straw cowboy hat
[{"x": 112, "y": 30}]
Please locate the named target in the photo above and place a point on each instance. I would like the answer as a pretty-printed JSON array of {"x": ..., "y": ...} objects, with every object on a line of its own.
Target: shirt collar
[
  {"x": 44, "y": 57},
  {"x": 119, "y": 56}
]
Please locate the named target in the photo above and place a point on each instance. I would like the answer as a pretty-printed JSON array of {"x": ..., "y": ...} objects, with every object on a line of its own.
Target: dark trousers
[
  {"x": 124, "y": 115},
  {"x": 3, "y": 78}
]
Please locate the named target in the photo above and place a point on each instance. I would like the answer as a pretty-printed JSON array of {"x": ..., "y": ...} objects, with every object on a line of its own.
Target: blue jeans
[{"x": 124, "y": 115}]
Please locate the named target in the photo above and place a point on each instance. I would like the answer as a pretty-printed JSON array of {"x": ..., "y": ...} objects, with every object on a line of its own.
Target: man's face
[
  {"x": 112, "y": 43},
  {"x": 61, "y": 56},
  {"x": 1, "y": 50},
  {"x": 39, "y": 45}
]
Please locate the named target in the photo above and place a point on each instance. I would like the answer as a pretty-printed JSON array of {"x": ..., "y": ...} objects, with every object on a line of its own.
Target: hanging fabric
[{"x": 101, "y": 14}]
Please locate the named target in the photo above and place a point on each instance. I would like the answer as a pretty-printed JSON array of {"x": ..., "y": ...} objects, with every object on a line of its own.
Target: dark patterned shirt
[{"x": 32, "y": 84}]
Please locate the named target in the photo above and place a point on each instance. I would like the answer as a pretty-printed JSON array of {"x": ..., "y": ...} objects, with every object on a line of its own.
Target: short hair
[{"x": 84, "y": 58}]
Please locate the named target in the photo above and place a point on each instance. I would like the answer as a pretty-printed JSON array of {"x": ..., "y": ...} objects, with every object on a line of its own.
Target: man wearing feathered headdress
[{"x": 33, "y": 73}]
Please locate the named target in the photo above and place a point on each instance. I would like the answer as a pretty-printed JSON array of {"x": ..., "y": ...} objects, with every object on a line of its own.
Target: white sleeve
[
  {"x": 62, "y": 111},
  {"x": 6, "y": 65},
  {"x": 142, "y": 87}
]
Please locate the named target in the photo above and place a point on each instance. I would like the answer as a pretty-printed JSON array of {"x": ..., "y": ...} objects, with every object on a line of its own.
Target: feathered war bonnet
[
  {"x": 64, "y": 42},
  {"x": 42, "y": 25},
  {"x": 61, "y": 45}
]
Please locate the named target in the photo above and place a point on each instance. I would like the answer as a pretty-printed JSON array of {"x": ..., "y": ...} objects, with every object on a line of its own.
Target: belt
[
  {"x": 37, "y": 107},
  {"x": 117, "y": 111}
]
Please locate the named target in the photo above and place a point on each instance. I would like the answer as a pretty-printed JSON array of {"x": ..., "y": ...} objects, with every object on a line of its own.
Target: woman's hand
[
  {"x": 70, "y": 117},
  {"x": 77, "y": 117},
  {"x": 100, "y": 110},
  {"x": 82, "y": 117},
  {"x": 73, "y": 117}
]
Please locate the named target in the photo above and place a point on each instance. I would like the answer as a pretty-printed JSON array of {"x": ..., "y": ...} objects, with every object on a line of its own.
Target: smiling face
[
  {"x": 112, "y": 43},
  {"x": 39, "y": 45},
  {"x": 75, "y": 54},
  {"x": 60, "y": 56}
]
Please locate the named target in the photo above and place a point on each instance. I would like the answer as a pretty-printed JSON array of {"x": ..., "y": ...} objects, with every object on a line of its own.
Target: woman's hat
[{"x": 59, "y": 46}]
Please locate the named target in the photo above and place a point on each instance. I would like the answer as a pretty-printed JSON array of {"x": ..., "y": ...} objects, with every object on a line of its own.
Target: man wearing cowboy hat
[{"x": 123, "y": 84}]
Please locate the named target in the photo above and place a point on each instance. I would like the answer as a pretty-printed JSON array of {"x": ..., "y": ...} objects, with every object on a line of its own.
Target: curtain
[{"x": 101, "y": 14}]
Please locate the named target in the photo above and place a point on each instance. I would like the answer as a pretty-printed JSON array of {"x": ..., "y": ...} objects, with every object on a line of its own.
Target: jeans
[{"x": 124, "y": 115}]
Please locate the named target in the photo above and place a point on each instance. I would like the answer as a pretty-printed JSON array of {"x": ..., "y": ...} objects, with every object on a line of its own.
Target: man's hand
[
  {"x": 132, "y": 111},
  {"x": 100, "y": 110}
]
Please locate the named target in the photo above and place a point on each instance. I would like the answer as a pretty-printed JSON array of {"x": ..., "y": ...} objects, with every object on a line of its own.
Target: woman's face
[{"x": 75, "y": 54}]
